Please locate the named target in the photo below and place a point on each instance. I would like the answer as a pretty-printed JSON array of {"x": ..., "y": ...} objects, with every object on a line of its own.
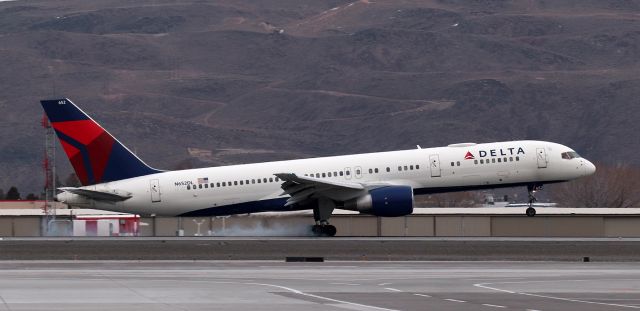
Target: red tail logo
[{"x": 469, "y": 156}]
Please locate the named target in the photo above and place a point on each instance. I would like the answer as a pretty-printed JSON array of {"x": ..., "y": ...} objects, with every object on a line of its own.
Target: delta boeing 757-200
[{"x": 381, "y": 184}]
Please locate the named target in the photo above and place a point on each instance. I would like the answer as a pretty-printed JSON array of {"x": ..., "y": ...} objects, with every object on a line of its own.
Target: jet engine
[{"x": 390, "y": 201}]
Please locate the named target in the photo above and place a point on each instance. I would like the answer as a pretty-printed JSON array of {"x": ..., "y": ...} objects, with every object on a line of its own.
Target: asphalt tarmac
[
  {"x": 269, "y": 285},
  {"x": 359, "y": 249}
]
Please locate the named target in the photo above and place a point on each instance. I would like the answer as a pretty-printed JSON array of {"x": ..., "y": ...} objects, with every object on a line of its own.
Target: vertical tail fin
[{"x": 96, "y": 156}]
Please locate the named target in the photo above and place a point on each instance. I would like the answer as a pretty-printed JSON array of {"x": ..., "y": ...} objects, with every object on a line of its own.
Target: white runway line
[
  {"x": 484, "y": 285},
  {"x": 454, "y": 300},
  {"x": 383, "y": 284},
  {"x": 493, "y": 306},
  {"x": 295, "y": 291},
  {"x": 392, "y": 289},
  {"x": 423, "y": 295}
]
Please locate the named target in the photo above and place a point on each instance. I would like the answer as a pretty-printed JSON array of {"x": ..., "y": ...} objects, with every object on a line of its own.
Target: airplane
[{"x": 382, "y": 184}]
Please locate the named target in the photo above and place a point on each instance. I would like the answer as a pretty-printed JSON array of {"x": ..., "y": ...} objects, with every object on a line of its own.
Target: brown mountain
[{"x": 222, "y": 82}]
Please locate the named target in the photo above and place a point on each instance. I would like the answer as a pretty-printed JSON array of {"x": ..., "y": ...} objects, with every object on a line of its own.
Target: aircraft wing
[
  {"x": 113, "y": 196},
  {"x": 302, "y": 188}
]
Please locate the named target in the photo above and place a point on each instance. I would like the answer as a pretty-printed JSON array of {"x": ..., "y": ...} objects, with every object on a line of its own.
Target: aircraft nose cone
[{"x": 589, "y": 168}]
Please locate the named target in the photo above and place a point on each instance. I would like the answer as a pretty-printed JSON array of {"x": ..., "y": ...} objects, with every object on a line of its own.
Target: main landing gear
[
  {"x": 321, "y": 215},
  {"x": 532, "y": 199},
  {"x": 323, "y": 230}
]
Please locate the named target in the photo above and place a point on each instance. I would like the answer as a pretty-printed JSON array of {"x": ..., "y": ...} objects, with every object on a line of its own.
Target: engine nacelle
[{"x": 391, "y": 201}]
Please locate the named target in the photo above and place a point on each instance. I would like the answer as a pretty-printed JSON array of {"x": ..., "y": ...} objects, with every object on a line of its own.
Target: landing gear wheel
[
  {"x": 531, "y": 211},
  {"x": 324, "y": 230},
  {"x": 532, "y": 198}
]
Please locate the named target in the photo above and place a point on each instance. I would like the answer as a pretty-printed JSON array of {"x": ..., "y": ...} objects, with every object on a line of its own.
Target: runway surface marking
[
  {"x": 392, "y": 289},
  {"x": 341, "y": 303},
  {"x": 295, "y": 291},
  {"x": 484, "y": 285},
  {"x": 423, "y": 295},
  {"x": 454, "y": 300},
  {"x": 493, "y": 306}
]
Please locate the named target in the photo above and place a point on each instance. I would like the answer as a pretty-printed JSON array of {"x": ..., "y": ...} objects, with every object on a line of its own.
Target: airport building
[{"x": 27, "y": 219}]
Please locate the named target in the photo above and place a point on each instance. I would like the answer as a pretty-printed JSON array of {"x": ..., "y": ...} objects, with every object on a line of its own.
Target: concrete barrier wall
[{"x": 361, "y": 225}]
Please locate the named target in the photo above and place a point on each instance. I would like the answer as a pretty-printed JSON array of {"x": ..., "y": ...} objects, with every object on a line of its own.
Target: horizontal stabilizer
[{"x": 113, "y": 196}]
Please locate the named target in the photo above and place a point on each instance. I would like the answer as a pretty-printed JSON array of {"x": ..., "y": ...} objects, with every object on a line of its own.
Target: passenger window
[
  {"x": 246, "y": 182},
  {"x": 405, "y": 168},
  {"x": 358, "y": 172},
  {"x": 504, "y": 159},
  {"x": 253, "y": 181},
  {"x": 224, "y": 183},
  {"x": 493, "y": 160},
  {"x": 211, "y": 185},
  {"x": 499, "y": 160},
  {"x": 206, "y": 186},
  {"x": 481, "y": 161},
  {"x": 458, "y": 163},
  {"x": 510, "y": 159},
  {"x": 277, "y": 179},
  {"x": 188, "y": 187},
  {"x": 259, "y": 181},
  {"x": 417, "y": 167},
  {"x": 199, "y": 186},
  {"x": 517, "y": 158},
  {"x": 452, "y": 164},
  {"x": 317, "y": 175},
  {"x": 270, "y": 179},
  {"x": 348, "y": 173},
  {"x": 388, "y": 169},
  {"x": 370, "y": 171},
  {"x": 264, "y": 180},
  {"x": 324, "y": 175},
  {"x": 218, "y": 184},
  {"x": 241, "y": 182},
  {"x": 475, "y": 161},
  {"x": 399, "y": 168},
  {"x": 376, "y": 170},
  {"x": 341, "y": 173},
  {"x": 235, "y": 183},
  {"x": 411, "y": 167},
  {"x": 335, "y": 174}
]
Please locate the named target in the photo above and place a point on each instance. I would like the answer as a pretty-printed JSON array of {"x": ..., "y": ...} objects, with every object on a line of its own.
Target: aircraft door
[
  {"x": 434, "y": 160},
  {"x": 358, "y": 172},
  {"x": 347, "y": 172},
  {"x": 542, "y": 158},
  {"x": 155, "y": 190}
]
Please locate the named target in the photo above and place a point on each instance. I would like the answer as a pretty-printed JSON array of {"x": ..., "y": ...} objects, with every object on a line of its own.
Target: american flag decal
[{"x": 204, "y": 180}]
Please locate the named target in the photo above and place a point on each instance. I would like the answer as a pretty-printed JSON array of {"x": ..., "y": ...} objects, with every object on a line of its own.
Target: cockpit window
[{"x": 570, "y": 155}]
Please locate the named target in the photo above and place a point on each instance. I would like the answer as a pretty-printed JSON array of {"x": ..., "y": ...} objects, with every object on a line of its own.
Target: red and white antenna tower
[{"x": 49, "y": 166}]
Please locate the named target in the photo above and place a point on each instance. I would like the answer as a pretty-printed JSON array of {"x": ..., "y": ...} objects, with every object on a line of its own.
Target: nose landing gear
[{"x": 532, "y": 199}]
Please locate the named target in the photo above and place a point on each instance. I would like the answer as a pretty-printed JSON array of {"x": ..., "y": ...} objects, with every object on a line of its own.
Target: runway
[
  {"x": 269, "y": 285},
  {"x": 359, "y": 249}
]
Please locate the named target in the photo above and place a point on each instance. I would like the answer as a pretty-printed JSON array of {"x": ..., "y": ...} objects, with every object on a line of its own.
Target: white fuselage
[{"x": 432, "y": 170}]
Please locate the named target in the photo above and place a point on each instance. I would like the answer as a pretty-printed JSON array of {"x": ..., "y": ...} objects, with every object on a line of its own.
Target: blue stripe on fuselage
[
  {"x": 277, "y": 205},
  {"x": 271, "y": 205}
]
